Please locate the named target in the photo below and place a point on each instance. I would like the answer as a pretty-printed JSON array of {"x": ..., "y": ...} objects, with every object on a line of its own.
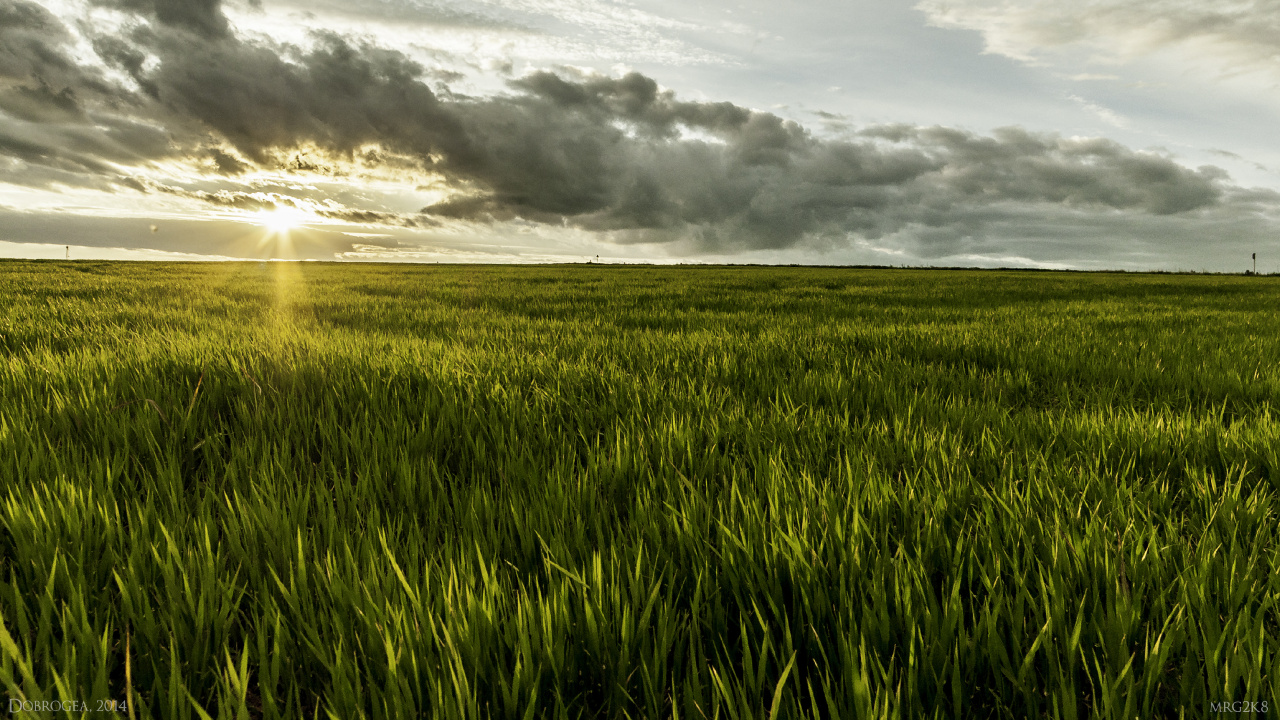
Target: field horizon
[
  {"x": 648, "y": 264},
  {"x": 334, "y": 489}
]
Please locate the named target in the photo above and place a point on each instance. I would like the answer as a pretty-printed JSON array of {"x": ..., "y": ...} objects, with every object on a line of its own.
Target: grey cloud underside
[{"x": 616, "y": 155}]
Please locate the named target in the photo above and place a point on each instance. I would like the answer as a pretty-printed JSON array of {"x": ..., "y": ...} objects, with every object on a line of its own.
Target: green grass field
[{"x": 300, "y": 490}]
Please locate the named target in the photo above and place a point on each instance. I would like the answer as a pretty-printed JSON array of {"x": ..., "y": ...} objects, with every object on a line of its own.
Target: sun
[
  {"x": 282, "y": 219},
  {"x": 280, "y": 224}
]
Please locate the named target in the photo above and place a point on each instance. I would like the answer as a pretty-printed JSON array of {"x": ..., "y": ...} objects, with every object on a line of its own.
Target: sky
[{"x": 1109, "y": 134}]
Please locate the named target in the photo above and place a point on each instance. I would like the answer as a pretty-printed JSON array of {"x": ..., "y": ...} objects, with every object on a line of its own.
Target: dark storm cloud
[
  {"x": 64, "y": 123},
  {"x": 337, "y": 96},
  {"x": 202, "y": 17},
  {"x": 39, "y": 79},
  {"x": 636, "y": 98},
  {"x": 34, "y": 42},
  {"x": 77, "y": 154},
  {"x": 226, "y": 163},
  {"x": 616, "y": 155},
  {"x": 375, "y": 217},
  {"x": 607, "y": 154}
]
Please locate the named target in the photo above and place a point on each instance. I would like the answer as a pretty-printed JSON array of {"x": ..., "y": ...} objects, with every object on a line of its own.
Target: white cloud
[
  {"x": 487, "y": 32},
  {"x": 1225, "y": 36},
  {"x": 1104, "y": 114}
]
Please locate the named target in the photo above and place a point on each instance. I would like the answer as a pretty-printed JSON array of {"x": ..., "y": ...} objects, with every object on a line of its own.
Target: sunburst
[
  {"x": 282, "y": 219},
  {"x": 279, "y": 224}
]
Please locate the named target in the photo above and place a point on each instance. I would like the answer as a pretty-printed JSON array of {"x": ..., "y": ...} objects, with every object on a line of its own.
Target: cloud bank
[{"x": 173, "y": 85}]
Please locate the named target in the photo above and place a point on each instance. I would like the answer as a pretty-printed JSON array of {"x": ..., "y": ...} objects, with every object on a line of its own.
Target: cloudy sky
[{"x": 1135, "y": 134}]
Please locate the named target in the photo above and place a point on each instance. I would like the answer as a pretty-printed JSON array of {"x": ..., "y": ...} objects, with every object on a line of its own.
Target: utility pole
[
  {"x": 1255, "y": 263},
  {"x": 68, "y": 252}
]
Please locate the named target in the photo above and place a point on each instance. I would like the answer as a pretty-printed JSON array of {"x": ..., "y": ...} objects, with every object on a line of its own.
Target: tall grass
[{"x": 281, "y": 491}]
